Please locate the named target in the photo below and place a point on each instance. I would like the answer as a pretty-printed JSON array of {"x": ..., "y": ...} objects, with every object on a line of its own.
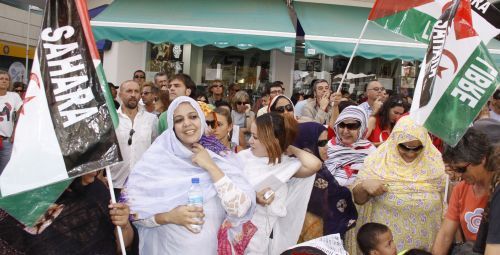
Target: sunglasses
[
  {"x": 139, "y": 77},
  {"x": 19, "y": 90},
  {"x": 217, "y": 86},
  {"x": 131, "y": 133},
  {"x": 408, "y": 149},
  {"x": 322, "y": 143},
  {"x": 282, "y": 109},
  {"x": 212, "y": 123},
  {"x": 461, "y": 169},
  {"x": 378, "y": 89},
  {"x": 240, "y": 103},
  {"x": 351, "y": 126}
]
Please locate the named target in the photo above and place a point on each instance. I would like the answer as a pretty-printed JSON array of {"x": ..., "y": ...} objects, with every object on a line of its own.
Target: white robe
[{"x": 285, "y": 215}]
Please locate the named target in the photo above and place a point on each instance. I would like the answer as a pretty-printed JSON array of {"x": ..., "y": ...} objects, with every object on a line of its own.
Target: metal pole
[
  {"x": 26, "y": 79},
  {"x": 352, "y": 55}
]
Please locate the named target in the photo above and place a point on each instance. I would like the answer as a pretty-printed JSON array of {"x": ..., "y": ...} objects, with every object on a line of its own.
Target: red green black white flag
[
  {"x": 65, "y": 128},
  {"x": 415, "y": 19},
  {"x": 458, "y": 75}
]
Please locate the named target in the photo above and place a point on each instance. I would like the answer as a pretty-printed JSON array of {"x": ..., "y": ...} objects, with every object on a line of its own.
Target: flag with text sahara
[
  {"x": 65, "y": 127},
  {"x": 416, "y": 18},
  {"x": 457, "y": 77}
]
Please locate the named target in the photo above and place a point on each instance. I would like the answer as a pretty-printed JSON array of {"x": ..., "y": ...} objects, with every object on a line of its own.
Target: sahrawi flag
[
  {"x": 457, "y": 78},
  {"x": 415, "y": 19},
  {"x": 65, "y": 127}
]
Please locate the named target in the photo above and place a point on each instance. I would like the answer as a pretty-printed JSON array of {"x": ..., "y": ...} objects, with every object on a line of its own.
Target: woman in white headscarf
[{"x": 157, "y": 190}]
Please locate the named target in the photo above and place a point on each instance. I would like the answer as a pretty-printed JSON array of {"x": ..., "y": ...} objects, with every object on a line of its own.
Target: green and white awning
[
  {"x": 263, "y": 24},
  {"x": 334, "y": 29}
]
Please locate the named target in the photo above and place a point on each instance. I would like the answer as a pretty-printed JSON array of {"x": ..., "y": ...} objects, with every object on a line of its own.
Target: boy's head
[{"x": 376, "y": 239}]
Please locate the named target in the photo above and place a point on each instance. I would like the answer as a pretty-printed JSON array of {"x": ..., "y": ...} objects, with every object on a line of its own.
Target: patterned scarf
[{"x": 344, "y": 161}]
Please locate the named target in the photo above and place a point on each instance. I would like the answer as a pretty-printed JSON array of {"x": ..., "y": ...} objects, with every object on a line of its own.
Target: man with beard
[{"x": 136, "y": 132}]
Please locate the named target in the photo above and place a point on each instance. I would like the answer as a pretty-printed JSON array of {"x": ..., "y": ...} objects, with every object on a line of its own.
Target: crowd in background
[{"x": 275, "y": 171}]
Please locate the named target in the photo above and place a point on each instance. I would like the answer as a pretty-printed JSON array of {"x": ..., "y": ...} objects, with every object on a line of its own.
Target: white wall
[
  {"x": 282, "y": 69},
  {"x": 14, "y": 25},
  {"x": 123, "y": 59}
]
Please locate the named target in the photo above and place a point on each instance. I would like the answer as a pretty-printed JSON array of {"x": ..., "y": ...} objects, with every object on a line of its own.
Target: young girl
[
  {"x": 224, "y": 128},
  {"x": 270, "y": 168}
]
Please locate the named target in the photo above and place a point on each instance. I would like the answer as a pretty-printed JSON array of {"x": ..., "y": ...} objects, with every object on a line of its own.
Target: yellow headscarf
[{"x": 424, "y": 174}]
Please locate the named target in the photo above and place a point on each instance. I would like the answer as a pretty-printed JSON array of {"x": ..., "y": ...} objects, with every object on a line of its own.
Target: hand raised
[
  {"x": 324, "y": 101},
  {"x": 201, "y": 156}
]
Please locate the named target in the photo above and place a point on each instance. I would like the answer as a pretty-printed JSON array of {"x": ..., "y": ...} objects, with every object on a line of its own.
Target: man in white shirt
[
  {"x": 374, "y": 92},
  {"x": 10, "y": 103},
  {"x": 136, "y": 131},
  {"x": 495, "y": 106}
]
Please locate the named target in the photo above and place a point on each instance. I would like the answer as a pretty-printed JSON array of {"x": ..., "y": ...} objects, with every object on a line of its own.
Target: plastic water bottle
[{"x": 195, "y": 198}]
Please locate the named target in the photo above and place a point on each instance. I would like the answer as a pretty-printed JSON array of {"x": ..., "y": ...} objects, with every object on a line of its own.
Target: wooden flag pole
[
  {"x": 446, "y": 187},
  {"x": 113, "y": 200},
  {"x": 352, "y": 55}
]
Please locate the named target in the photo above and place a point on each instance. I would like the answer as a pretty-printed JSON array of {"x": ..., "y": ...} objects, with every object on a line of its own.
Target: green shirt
[{"x": 162, "y": 123}]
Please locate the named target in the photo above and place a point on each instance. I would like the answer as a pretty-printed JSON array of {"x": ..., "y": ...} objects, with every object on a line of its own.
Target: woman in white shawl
[
  {"x": 269, "y": 167},
  {"x": 157, "y": 190}
]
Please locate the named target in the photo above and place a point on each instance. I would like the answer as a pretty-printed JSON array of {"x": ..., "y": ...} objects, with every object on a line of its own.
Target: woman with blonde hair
[{"x": 242, "y": 115}]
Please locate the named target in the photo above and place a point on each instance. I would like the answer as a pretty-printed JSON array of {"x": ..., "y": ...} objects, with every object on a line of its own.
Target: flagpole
[
  {"x": 352, "y": 55},
  {"x": 446, "y": 187},
  {"x": 113, "y": 200}
]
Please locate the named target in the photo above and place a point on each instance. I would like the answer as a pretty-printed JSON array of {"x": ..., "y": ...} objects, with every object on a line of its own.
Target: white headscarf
[{"x": 160, "y": 181}]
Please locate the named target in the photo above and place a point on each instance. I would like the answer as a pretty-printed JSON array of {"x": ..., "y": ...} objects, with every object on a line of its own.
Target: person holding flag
[
  {"x": 80, "y": 220},
  {"x": 65, "y": 133}
]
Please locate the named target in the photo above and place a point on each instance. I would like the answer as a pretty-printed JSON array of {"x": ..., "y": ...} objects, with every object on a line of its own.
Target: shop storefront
[
  {"x": 228, "y": 40},
  {"x": 13, "y": 59},
  {"x": 331, "y": 32},
  {"x": 254, "y": 42}
]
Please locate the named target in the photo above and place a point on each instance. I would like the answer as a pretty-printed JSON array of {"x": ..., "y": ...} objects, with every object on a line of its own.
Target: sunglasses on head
[
  {"x": 351, "y": 126},
  {"x": 378, "y": 89},
  {"x": 240, "y": 103},
  {"x": 139, "y": 77},
  {"x": 461, "y": 169},
  {"x": 408, "y": 149},
  {"x": 322, "y": 143},
  {"x": 211, "y": 123},
  {"x": 282, "y": 109},
  {"x": 131, "y": 133}
]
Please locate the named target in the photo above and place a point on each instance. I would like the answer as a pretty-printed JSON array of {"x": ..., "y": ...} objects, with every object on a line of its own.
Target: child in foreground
[{"x": 376, "y": 239}]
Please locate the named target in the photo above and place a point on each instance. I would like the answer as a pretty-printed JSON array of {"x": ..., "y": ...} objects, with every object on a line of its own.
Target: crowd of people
[{"x": 273, "y": 172}]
